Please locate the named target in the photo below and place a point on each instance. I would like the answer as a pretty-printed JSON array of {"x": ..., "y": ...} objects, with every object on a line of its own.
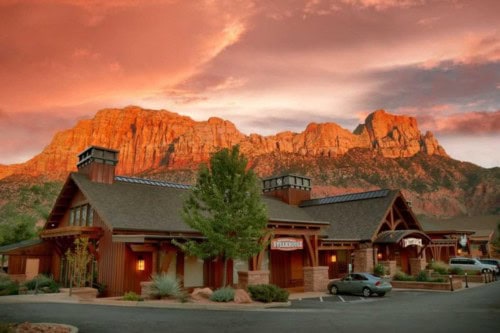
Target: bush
[
  {"x": 439, "y": 279},
  {"x": 439, "y": 267},
  {"x": 42, "y": 283},
  {"x": 131, "y": 296},
  {"x": 164, "y": 286},
  {"x": 268, "y": 293},
  {"x": 379, "y": 270},
  {"x": 225, "y": 294},
  {"x": 422, "y": 277},
  {"x": 8, "y": 286},
  {"x": 400, "y": 276},
  {"x": 456, "y": 271}
]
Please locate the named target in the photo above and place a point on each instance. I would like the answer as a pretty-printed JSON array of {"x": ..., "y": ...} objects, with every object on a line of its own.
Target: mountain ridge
[{"x": 386, "y": 151}]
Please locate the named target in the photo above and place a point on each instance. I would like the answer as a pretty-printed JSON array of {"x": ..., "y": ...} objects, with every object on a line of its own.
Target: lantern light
[
  {"x": 140, "y": 263},
  {"x": 379, "y": 255},
  {"x": 333, "y": 258}
]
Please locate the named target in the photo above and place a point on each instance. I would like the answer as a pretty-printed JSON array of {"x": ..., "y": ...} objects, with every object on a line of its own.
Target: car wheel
[
  {"x": 334, "y": 290},
  {"x": 366, "y": 292},
  {"x": 381, "y": 294}
]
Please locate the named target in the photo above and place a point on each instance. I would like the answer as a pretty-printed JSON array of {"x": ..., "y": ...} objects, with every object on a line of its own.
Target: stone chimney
[
  {"x": 291, "y": 189},
  {"x": 98, "y": 163}
]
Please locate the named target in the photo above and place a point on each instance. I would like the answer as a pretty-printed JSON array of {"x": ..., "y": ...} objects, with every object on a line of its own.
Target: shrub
[
  {"x": 164, "y": 286},
  {"x": 439, "y": 279},
  {"x": 422, "y": 277},
  {"x": 42, "y": 283},
  {"x": 400, "y": 276},
  {"x": 8, "y": 286},
  {"x": 457, "y": 271},
  {"x": 225, "y": 294},
  {"x": 268, "y": 293},
  {"x": 379, "y": 270},
  {"x": 131, "y": 296},
  {"x": 439, "y": 267}
]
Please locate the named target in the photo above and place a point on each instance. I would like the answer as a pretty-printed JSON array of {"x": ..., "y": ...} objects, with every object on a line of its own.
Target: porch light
[
  {"x": 379, "y": 255},
  {"x": 459, "y": 251},
  {"x": 333, "y": 258},
  {"x": 140, "y": 263}
]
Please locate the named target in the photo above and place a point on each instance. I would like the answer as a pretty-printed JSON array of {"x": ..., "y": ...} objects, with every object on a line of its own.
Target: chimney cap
[
  {"x": 287, "y": 181},
  {"x": 97, "y": 154}
]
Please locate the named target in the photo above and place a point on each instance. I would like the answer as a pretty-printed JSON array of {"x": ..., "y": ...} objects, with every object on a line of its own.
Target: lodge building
[{"x": 131, "y": 222}]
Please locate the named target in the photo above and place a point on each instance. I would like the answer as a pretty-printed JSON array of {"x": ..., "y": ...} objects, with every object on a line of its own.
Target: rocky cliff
[
  {"x": 387, "y": 151},
  {"x": 149, "y": 139}
]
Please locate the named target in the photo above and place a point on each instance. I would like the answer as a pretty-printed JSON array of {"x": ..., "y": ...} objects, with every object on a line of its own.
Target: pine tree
[{"x": 225, "y": 206}]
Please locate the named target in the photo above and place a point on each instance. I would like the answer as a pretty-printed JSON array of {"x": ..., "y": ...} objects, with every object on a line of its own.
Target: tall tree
[{"x": 225, "y": 206}]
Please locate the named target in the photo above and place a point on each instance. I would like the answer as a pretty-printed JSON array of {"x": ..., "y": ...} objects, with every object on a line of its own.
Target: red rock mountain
[
  {"x": 387, "y": 151},
  {"x": 149, "y": 139}
]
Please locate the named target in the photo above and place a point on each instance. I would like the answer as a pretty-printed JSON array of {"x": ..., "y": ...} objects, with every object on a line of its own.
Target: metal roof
[
  {"x": 346, "y": 198},
  {"x": 144, "y": 181}
]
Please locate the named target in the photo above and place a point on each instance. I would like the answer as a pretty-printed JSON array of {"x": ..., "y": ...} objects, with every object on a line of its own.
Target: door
[{"x": 32, "y": 266}]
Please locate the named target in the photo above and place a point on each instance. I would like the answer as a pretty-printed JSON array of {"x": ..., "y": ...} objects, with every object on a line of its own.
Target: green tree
[
  {"x": 225, "y": 206},
  {"x": 16, "y": 229}
]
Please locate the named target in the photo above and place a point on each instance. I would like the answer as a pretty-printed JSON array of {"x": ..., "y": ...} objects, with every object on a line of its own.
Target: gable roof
[
  {"x": 19, "y": 245},
  {"x": 355, "y": 216},
  {"x": 142, "y": 204}
]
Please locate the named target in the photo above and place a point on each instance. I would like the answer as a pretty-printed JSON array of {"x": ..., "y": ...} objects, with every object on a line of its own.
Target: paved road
[{"x": 471, "y": 310}]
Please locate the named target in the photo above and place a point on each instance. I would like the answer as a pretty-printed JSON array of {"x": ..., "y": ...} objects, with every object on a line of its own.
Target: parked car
[
  {"x": 491, "y": 261},
  {"x": 472, "y": 264},
  {"x": 360, "y": 283}
]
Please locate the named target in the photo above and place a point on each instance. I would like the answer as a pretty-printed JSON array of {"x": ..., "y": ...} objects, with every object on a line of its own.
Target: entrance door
[
  {"x": 287, "y": 268},
  {"x": 32, "y": 266}
]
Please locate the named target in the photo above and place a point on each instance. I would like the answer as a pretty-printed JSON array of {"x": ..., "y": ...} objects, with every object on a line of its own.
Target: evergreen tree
[{"x": 225, "y": 206}]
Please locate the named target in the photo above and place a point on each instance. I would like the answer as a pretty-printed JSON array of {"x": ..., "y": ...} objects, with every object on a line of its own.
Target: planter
[
  {"x": 476, "y": 278},
  {"x": 84, "y": 293},
  {"x": 457, "y": 284}
]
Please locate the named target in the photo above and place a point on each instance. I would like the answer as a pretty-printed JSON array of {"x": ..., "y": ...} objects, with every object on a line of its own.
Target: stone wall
[
  {"x": 417, "y": 265},
  {"x": 246, "y": 278},
  {"x": 316, "y": 278},
  {"x": 363, "y": 260}
]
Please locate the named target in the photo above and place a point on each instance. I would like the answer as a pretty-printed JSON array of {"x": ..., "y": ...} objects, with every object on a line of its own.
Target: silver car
[
  {"x": 472, "y": 264},
  {"x": 360, "y": 283}
]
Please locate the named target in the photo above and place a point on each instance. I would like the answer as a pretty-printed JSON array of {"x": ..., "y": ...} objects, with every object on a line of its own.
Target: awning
[{"x": 394, "y": 236}]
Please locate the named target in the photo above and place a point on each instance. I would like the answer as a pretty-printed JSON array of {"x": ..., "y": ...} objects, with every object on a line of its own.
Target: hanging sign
[
  {"x": 287, "y": 244},
  {"x": 412, "y": 241}
]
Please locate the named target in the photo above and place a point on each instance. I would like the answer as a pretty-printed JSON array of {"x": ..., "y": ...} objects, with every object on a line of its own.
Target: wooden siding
[
  {"x": 111, "y": 261},
  {"x": 18, "y": 257}
]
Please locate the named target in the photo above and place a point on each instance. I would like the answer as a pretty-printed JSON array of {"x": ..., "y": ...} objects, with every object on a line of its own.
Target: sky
[{"x": 265, "y": 65}]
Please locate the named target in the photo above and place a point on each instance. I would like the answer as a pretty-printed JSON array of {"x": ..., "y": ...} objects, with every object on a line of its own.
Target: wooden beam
[{"x": 310, "y": 251}]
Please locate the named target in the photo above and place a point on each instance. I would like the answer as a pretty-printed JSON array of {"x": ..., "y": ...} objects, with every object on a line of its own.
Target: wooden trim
[{"x": 91, "y": 232}]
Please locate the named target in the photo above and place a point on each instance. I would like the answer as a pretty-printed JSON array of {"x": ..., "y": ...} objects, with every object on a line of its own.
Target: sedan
[{"x": 360, "y": 283}]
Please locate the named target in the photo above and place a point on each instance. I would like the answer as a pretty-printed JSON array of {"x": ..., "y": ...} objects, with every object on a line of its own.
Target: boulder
[
  {"x": 201, "y": 293},
  {"x": 241, "y": 296}
]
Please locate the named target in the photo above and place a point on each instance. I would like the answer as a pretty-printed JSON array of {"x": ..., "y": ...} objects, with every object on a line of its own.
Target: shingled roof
[
  {"x": 141, "y": 204},
  {"x": 352, "y": 217}
]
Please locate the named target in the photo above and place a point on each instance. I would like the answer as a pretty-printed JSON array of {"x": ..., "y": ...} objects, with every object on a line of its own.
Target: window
[{"x": 81, "y": 216}]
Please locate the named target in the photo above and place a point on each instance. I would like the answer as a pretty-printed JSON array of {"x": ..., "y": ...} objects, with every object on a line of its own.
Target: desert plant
[
  {"x": 225, "y": 294},
  {"x": 422, "y": 277},
  {"x": 131, "y": 296},
  {"x": 379, "y": 270},
  {"x": 8, "y": 286},
  {"x": 439, "y": 267},
  {"x": 456, "y": 271},
  {"x": 164, "y": 286},
  {"x": 79, "y": 260},
  {"x": 268, "y": 293},
  {"x": 42, "y": 283},
  {"x": 401, "y": 276}
]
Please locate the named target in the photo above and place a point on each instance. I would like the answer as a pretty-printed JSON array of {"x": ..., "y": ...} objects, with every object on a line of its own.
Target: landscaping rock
[
  {"x": 201, "y": 293},
  {"x": 241, "y": 296}
]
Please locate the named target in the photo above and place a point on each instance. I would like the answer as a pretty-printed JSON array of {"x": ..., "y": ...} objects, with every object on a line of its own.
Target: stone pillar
[
  {"x": 316, "y": 278},
  {"x": 390, "y": 267},
  {"x": 417, "y": 265},
  {"x": 363, "y": 260},
  {"x": 247, "y": 278}
]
